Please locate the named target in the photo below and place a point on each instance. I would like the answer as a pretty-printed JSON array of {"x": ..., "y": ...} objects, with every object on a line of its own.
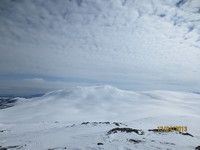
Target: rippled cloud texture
[{"x": 131, "y": 44}]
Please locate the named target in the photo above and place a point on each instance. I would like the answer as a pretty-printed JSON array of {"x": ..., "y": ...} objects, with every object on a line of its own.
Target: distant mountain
[
  {"x": 101, "y": 102},
  {"x": 110, "y": 117}
]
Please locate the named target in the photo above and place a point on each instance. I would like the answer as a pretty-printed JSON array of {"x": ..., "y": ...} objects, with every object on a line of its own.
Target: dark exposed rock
[
  {"x": 99, "y": 143},
  {"x": 117, "y": 124},
  {"x": 4, "y": 130},
  {"x": 167, "y": 143},
  {"x": 197, "y": 148},
  {"x": 134, "y": 141},
  {"x": 11, "y": 147},
  {"x": 127, "y": 130},
  {"x": 100, "y": 123},
  {"x": 16, "y": 146},
  {"x": 85, "y": 122},
  {"x": 57, "y": 148},
  {"x": 96, "y": 123},
  {"x": 154, "y": 130},
  {"x": 186, "y": 134},
  {"x": 7, "y": 102}
]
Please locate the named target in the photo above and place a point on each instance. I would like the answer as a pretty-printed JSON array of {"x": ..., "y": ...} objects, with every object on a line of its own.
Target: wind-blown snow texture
[{"x": 47, "y": 121}]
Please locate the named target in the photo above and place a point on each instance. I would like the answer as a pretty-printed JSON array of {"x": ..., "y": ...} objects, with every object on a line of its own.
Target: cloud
[
  {"x": 108, "y": 41},
  {"x": 27, "y": 87},
  {"x": 34, "y": 80}
]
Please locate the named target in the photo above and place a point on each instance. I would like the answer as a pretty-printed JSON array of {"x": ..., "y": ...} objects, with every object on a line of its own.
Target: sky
[{"x": 47, "y": 45}]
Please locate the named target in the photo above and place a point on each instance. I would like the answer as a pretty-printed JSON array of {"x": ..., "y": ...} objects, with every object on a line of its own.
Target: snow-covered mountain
[
  {"x": 132, "y": 44},
  {"x": 54, "y": 120}
]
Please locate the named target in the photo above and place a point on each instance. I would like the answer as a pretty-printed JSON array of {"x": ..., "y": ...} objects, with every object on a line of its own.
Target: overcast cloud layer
[{"x": 131, "y": 44}]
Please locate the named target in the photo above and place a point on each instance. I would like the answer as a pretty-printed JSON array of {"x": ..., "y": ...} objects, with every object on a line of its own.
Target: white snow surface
[{"x": 54, "y": 120}]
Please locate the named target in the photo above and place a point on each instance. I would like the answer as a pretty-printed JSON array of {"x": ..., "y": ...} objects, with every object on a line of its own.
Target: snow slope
[{"x": 54, "y": 120}]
